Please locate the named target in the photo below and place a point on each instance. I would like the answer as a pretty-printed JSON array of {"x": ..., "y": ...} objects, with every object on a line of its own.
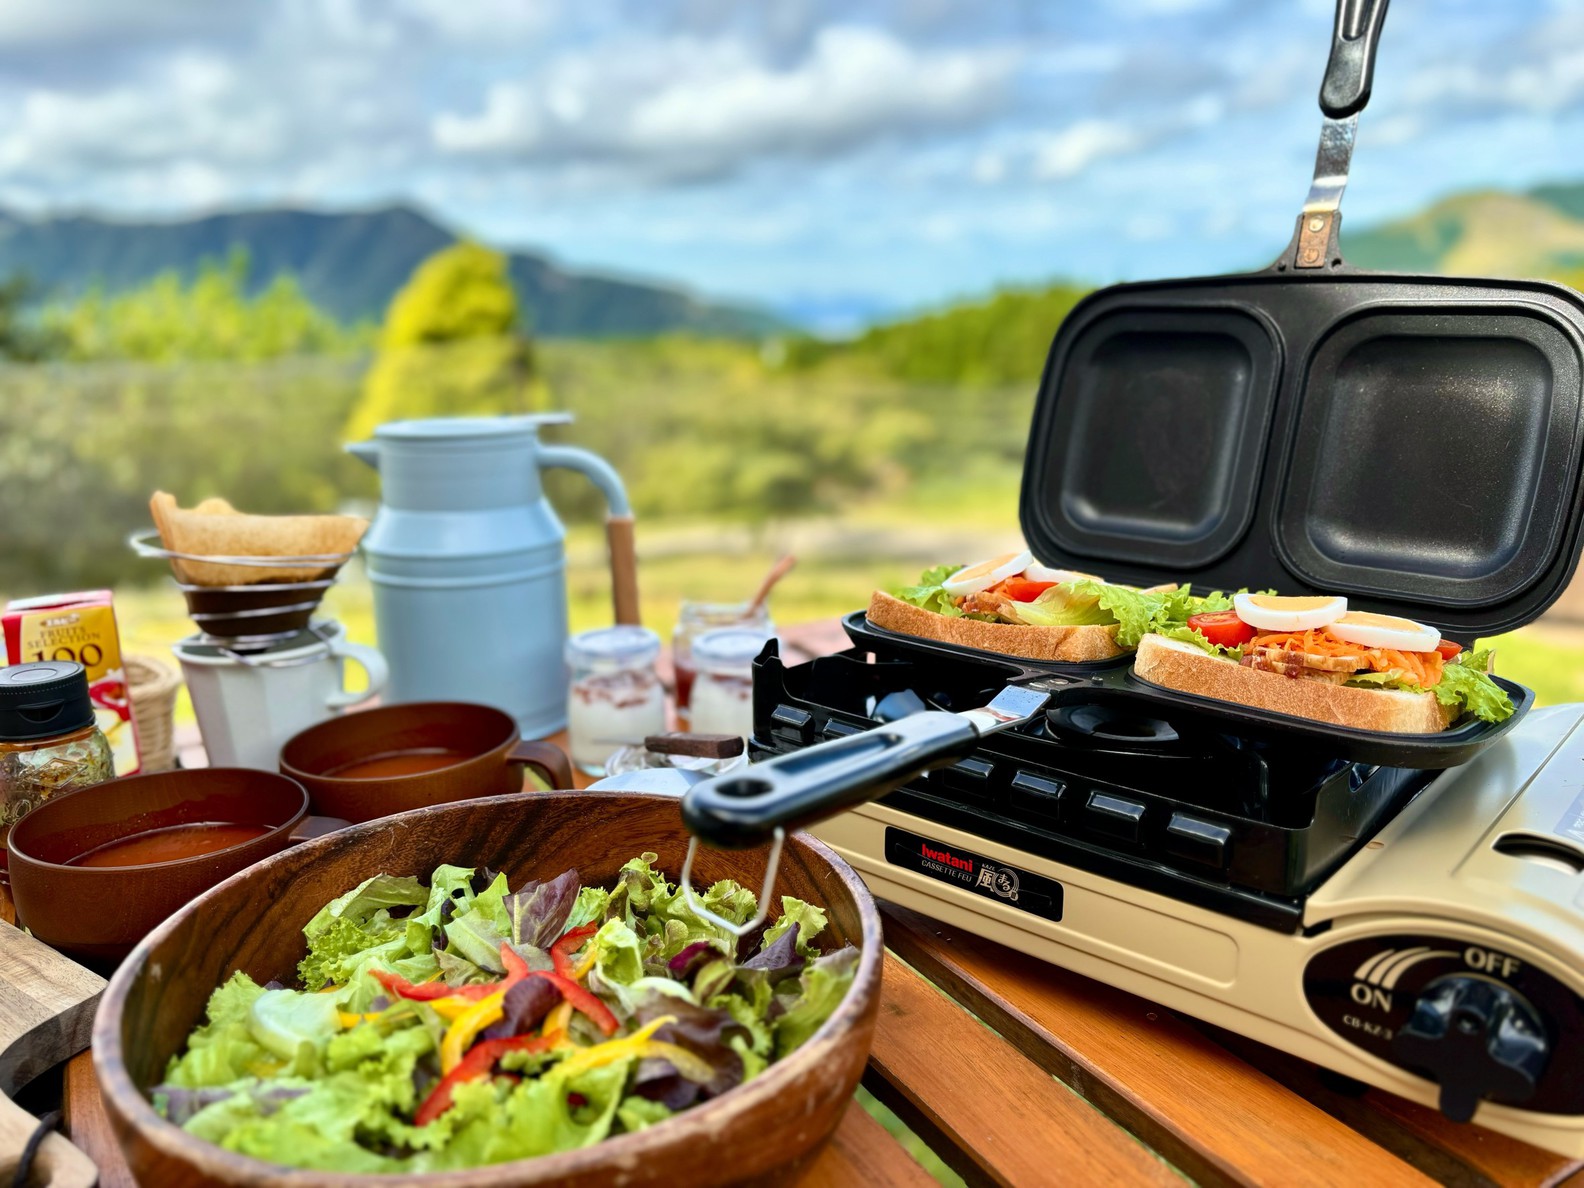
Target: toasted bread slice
[
  {"x": 1072, "y": 644},
  {"x": 1186, "y": 668}
]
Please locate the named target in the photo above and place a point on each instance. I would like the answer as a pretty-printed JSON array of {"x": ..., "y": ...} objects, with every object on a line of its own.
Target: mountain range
[
  {"x": 1539, "y": 233},
  {"x": 350, "y": 264}
]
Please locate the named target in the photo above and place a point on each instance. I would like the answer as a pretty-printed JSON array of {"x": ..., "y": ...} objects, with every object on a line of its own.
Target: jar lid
[
  {"x": 729, "y": 649},
  {"x": 723, "y": 614},
  {"x": 625, "y": 646},
  {"x": 43, "y": 700}
]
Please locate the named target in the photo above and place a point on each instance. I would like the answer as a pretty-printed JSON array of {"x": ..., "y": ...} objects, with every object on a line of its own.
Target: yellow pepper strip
[
  {"x": 349, "y": 1019},
  {"x": 459, "y": 1036},
  {"x": 453, "y": 1007},
  {"x": 694, "y": 1068},
  {"x": 557, "y": 1020},
  {"x": 611, "y": 1051},
  {"x": 585, "y": 965}
]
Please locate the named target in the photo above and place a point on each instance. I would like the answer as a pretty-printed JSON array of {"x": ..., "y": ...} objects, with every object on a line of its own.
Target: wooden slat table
[{"x": 1016, "y": 1072}]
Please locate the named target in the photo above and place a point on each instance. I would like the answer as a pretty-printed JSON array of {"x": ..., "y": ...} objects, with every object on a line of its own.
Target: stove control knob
[{"x": 1476, "y": 1039}]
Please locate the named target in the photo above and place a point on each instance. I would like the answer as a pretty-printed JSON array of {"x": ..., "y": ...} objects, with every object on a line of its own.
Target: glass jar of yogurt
[
  {"x": 615, "y": 697},
  {"x": 695, "y": 619},
  {"x": 723, "y": 688}
]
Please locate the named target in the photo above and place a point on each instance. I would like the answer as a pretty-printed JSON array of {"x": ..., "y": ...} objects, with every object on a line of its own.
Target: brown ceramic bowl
[
  {"x": 765, "y": 1131},
  {"x": 98, "y": 913},
  {"x": 489, "y": 755}
]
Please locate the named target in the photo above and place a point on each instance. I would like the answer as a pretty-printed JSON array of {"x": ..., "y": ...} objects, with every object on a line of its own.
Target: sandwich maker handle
[
  {"x": 743, "y": 809},
  {"x": 1351, "y": 68}
]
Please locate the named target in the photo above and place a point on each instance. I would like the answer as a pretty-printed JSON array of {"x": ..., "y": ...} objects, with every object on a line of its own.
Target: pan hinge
[{"x": 1314, "y": 238}]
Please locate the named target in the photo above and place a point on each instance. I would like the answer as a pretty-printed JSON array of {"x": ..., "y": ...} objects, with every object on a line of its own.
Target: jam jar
[{"x": 50, "y": 743}]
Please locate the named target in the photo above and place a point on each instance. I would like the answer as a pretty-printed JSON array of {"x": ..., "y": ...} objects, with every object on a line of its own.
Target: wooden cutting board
[{"x": 47, "y": 1005}]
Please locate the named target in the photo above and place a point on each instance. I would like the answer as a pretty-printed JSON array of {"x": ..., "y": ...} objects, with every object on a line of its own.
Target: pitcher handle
[
  {"x": 546, "y": 758},
  {"x": 373, "y": 663},
  {"x": 618, "y": 522}
]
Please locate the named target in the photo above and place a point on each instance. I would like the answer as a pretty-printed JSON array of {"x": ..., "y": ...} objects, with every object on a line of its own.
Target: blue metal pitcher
[{"x": 468, "y": 562}]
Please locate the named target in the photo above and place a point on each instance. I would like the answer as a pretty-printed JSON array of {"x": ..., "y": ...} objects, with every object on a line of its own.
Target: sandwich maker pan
[
  {"x": 1411, "y": 442},
  {"x": 1112, "y": 685}
]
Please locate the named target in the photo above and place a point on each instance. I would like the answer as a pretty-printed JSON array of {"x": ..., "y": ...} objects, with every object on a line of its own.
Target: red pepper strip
[
  {"x": 516, "y": 967},
  {"x": 561, "y": 952},
  {"x": 429, "y": 991},
  {"x": 582, "y": 1000},
  {"x": 475, "y": 1066}
]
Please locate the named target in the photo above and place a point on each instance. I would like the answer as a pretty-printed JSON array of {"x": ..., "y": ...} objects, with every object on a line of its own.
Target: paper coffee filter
[{"x": 216, "y": 529}]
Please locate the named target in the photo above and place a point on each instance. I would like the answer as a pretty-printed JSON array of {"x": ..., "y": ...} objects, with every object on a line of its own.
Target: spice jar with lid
[
  {"x": 49, "y": 741},
  {"x": 723, "y": 688},
  {"x": 615, "y": 697}
]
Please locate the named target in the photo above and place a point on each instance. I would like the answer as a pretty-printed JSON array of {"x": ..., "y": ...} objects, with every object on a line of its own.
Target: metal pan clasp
[{"x": 772, "y": 866}]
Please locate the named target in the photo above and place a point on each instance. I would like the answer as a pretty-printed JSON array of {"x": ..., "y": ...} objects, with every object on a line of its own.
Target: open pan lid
[{"x": 1414, "y": 443}]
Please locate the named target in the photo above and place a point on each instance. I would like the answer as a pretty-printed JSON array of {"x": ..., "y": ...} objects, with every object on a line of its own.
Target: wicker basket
[{"x": 152, "y": 686}]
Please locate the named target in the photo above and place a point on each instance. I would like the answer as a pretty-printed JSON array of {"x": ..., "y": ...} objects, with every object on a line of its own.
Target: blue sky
[{"x": 809, "y": 154}]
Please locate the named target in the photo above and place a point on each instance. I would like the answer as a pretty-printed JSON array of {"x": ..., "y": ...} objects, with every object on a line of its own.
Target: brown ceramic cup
[
  {"x": 491, "y": 753},
  {"x": 98, "y": 913}
]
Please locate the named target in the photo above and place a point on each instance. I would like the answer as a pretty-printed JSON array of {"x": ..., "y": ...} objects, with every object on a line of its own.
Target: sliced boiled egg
[
  {"x": 974, "y": 578},
  {"x": 1385, "y": 631},
  {"x": 1271, "y": 612},
  {"x": 1044, "y": 573}
]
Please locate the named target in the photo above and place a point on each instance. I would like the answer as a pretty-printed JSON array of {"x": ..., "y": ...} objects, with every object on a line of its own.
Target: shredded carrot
[{"x": 1423, "y": 668}]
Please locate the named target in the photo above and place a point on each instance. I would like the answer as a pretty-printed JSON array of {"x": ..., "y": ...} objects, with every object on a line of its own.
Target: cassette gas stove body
[{"x": 1420, "y": 931}]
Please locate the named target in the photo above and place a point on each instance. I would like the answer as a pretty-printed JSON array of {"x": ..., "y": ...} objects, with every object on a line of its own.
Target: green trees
[
  {"x": 210, "y": 317},
  {"x": 451, "y": 345},
  {"x": 1001, "y": 340},
  {"x": 22, "y": 338}
]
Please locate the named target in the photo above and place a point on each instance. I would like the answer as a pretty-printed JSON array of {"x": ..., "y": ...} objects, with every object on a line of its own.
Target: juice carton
[{"x": 80, "y": 627}]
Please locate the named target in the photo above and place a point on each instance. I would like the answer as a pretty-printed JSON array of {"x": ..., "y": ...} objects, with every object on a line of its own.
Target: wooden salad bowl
[{"x": 766, "y": 1131}]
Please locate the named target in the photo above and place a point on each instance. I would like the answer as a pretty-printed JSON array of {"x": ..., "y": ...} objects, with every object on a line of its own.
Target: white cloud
[
  {"x": 1071, "y": 151},
  {"x": 685, "y": 107}
]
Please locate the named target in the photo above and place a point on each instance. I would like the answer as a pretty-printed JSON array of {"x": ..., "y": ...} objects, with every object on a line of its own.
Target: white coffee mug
[{"x": 250, "y": 703}]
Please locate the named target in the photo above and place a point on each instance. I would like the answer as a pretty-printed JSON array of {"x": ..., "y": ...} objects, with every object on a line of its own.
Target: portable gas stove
[{"x": 1422, "y": 931}]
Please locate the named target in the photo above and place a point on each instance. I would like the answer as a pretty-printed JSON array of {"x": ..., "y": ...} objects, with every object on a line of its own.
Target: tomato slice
[
  {"x": 1449, "y": 648},
  {"x": 1222, "y": 628},
  {"x": 1020, "y": 589}
]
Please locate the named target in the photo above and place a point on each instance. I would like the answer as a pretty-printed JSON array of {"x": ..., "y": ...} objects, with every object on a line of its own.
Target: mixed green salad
[{"x": 462, "y": 1023}]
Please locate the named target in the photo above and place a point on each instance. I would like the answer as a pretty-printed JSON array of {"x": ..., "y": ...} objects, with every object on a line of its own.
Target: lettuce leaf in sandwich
[
  {"x": 1135, "y": 612},
  {"x": 1465, "y": 686},
  {"x": 931, "y": 595}
]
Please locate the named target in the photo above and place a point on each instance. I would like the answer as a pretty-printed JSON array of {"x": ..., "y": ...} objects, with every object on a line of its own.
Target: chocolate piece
[{"x": 700, "y": 746}]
